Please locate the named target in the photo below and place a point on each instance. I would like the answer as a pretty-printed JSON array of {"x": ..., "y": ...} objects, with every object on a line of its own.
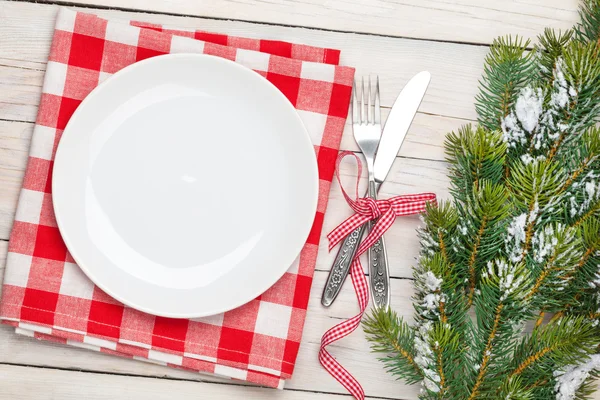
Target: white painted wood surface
[
  {"x": 392, "y": 38},
  {"x": 467, "y": 21}
]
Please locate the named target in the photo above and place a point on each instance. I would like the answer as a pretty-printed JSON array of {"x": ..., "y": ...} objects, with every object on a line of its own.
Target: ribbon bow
[{"x": 365, "y": 209}]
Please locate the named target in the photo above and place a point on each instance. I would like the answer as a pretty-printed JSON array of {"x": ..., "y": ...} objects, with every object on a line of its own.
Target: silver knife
[{"x": 396, "y": 126}]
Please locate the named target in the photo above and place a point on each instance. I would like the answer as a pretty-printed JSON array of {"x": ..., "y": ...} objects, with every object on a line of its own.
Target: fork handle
[
  {"x": 341, "y": 265},
  {"x": 379, "y": 273}
]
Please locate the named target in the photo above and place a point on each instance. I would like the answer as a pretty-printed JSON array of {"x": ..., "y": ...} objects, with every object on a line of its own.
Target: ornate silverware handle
[
  {"x": 379, "y": 273},
  {"x": 341, "y": 265}
]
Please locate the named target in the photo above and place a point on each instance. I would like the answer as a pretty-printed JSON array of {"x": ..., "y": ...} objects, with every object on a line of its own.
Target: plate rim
[{"x": 314, "y": 171}]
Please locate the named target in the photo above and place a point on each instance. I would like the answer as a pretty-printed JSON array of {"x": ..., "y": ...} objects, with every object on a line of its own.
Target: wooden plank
[
  {"x": 41, "y": 383},
  {"x": 353, "y": 351},
  {"x": 14, "y": 147},
  {"x": 469, "y": 21},
  {"x": 20, "y": 90},
  {"x": 407, "y": 176},
  {"x": 26, "y": 31},
  {"x": 18, "y": 381}
]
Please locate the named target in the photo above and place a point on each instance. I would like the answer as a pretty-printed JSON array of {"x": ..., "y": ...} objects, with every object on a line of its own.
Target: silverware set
[{"x": 380, "y": 148}]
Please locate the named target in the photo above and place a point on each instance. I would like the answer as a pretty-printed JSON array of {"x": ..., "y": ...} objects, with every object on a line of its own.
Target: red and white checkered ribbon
[{"x": 366, "y": 209}]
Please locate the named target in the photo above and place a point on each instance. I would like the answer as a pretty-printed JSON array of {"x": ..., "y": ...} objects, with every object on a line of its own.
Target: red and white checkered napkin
[{"x": 46, "y": 295}]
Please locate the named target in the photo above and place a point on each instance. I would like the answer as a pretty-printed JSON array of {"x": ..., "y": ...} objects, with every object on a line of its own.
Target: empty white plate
[{"x": 185, "y": 185}]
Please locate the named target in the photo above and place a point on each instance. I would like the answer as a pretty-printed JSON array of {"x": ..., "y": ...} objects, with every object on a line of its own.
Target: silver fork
[
  {"x": 366, "y": 125},
  {"x": 367, "y": 132}
]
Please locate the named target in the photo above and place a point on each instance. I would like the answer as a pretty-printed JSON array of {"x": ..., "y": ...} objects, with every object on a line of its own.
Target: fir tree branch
[
  {"x": 487, "y": 352},
  {"x": 515, "y": 390},
  {"x": 550, "y": 49},
  {"x": 483, "y": 219},
  {"x": 507, "y": 69},
  {"x": 595, "y": 209},
  {"x": 391, "y": 336},
  {"x": 440, "y": 364},
  {"x": 529, "y": 229},
  {"x": 499, "y": 307},
  {"x": 575, "y": 174},
  {"x": 474, "y": 155},
  {"x": 584, "y": 156},
  {"x": 519, "y": 235},
  {"x": 532, "y": 359},
  {"x": 443, "y": 247},
  {"x": 586, "y": 256},
  {"x": 472, "y": 272},
  {"x": 541, "y": 278},
  {"x": 560, "y": 343},
  {"x": 443, "y": 316},
  {"x": 562, "y": 135},
  {"x": 588, "y": 29},
  {"x": 540, "y": 319}
]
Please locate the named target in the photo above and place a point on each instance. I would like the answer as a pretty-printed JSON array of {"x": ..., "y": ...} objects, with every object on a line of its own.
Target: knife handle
[
  {"x": 341, "y": 265},
  {"x": 379, "y": 273}
]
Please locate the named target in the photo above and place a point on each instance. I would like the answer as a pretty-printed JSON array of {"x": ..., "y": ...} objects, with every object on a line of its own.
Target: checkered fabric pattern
[
  {"x": 47, "y": 296},
  {"x": 275, "y": 47}
]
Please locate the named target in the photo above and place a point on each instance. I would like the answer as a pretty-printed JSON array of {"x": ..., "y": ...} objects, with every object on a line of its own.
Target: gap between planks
[
  {"x": 93, "y": 6},
  {"x": 74, "y": 384},
  {"x": 480, "y": 21}
]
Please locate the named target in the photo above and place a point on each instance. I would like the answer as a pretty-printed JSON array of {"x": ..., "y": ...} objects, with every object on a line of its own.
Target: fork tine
[
  {"x": 370, "y": 103},
  {"x": 355, "y": 116},
  {"x": 363, "y": 117},
  {"x": 377, "y": 102}
]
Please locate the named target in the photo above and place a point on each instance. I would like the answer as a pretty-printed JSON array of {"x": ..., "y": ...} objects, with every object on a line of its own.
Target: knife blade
[
  {"x": 396, "y": 126},
  {"x": 395, "y": 129}
]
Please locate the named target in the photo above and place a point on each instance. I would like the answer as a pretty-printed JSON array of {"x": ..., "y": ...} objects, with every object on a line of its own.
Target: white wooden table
[{"x": 392, "y": 38}]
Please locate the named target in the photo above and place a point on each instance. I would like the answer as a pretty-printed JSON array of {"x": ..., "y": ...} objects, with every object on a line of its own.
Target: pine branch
[
  {"x": 394, "y": 339},
  {"x": 487, "y": 352},
  {"x": 474, "y": 156},
  {"x": 516, "y": 390},
  {"x": 567, "y": 341},
  {"x": 582, "y": 159},
  {"x": 439, "y": 232},
  {"x": 594, "y": 211},
  {"x": 554, "y": 260},
  {"x": 499, "y": 306},
  {"x": 535, "y": 191},
  {"x": 550, "y": 48},
  {"x": 507, "y": 69},
  {"x": 449, "y": 353},
  {"x": 588, "y": 30},
  {"x": 440, "y": 322},
  {"x": 520, "y": 239},
  {"x": 484, "y": 216},
  {"x": 579, "y": 75}
]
